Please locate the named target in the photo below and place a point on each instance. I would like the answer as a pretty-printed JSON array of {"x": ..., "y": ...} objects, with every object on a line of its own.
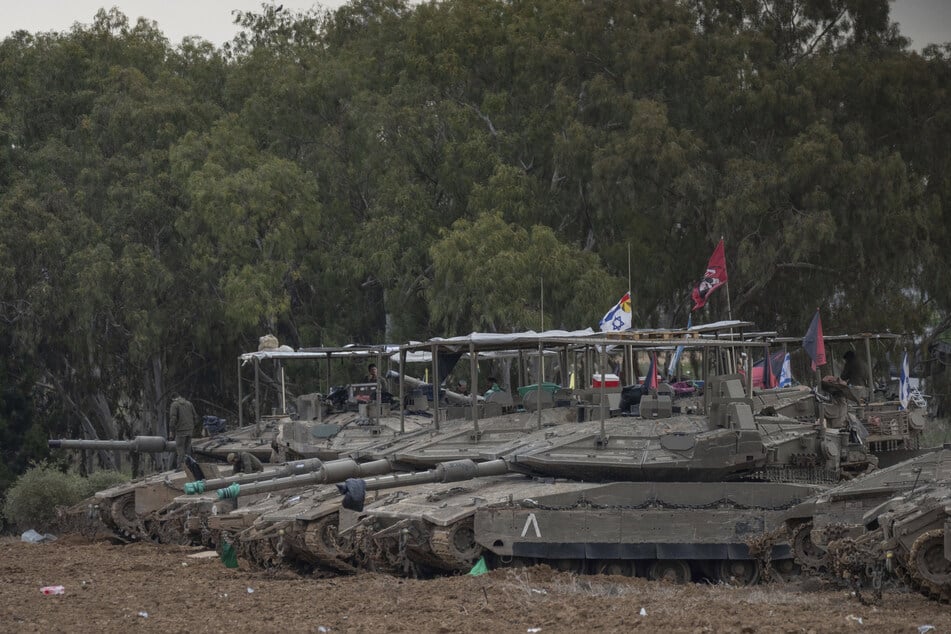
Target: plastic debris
[
  {"x": 250, "y": 590},
  {"x": 33, "y": 537},
  {"x": 852, "y": 617},
  {"x": 925, "y": 628},
  {"x": 539, "y": 591},
  {"x": 321, "y": 628},
  {"x": 144, "y": 614},
  {"x": 532, "y": 630},
  {"x": 643, "y": 612},
  {"x": 47, "y": 590},
  {"x": 479, "y": 568}
]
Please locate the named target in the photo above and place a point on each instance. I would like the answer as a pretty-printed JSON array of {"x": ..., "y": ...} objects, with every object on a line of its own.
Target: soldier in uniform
[
  {"x": 181, "y": 425},
  {"x": 245, "y": 462},
  {"x": 853, "y": 372}
]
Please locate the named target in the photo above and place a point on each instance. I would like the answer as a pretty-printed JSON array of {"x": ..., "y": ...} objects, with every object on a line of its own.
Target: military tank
[
  {"x": 916, "y": 538},
  {"x": 608, "y": 473},
  {"x": 909, "y": 535},
  {"x": 294, "y": 519},
  {"x": 838, "y": 513}
]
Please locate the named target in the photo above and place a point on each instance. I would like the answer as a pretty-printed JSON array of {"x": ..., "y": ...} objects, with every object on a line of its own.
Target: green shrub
[
  {"x": 32, "y": 500},
  {"x": 99, "y": 481}
]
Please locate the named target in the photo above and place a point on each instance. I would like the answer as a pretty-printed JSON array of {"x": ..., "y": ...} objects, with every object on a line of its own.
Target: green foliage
[
  {"x": 99, "y": 481},
  {"x": 32, "y": 500},
  {"x": 391, "y": 171}
]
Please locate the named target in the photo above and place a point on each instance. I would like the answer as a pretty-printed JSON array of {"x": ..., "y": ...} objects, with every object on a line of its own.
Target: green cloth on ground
[
  {"x": 229, "y": 557},
  {"x": 479, "y": 568}
]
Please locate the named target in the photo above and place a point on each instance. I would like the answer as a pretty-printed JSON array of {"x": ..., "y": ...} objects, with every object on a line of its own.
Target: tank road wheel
[
  {"x": 928, "y": 565},
  {"x": 576, "y": 566},
  {"x": 807, "y": 554},
  {"x": 455, "y": 545},
  {"x": 615, "y": 567},
  {"x": 123, "y": 515},
  {"x": 741, "y": 572},
  {"x": 671, "y": 570},
  {"x": 786, "y": 569}
]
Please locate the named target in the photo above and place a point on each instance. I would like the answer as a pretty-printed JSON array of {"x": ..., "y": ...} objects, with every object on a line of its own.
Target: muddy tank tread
[
  {"x": 859, "y": 562},
  {"x": 123, "y": 518},
  {"x": 262, "y": 549},
  {"x": 928, "y": 551},
  {"x": 454, "y": 546},
  {"x": 323, "y": 548}
]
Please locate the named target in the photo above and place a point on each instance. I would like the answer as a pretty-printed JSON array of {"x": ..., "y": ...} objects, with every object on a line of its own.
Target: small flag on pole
[
  {"x": 678, "y": 352},
  {"x": 714, "y": 277},
  {"x": 620, "y": 317},
  {"x": 813, "y": 342},
  {"x": 904, "y": 383},
  {"x": 650, "y": 381},
  {"x": 785, "y": 375}
]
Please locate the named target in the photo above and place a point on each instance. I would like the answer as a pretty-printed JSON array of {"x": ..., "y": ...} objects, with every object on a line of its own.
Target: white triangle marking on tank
[{"x": 529, "y": 522}]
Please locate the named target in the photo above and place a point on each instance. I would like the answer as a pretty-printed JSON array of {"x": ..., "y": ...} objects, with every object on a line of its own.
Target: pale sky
[
  {"x": 210, "y": 19},
  {"x": 924, "y": 21}
]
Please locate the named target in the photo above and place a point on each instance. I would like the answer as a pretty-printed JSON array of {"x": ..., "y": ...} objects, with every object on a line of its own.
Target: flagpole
[
  {"x": 729, "y": 308},
  {"x": 628, "y": 360},
  {"x": 541, "y": 285},
  {"x": 629, "y": 283}
]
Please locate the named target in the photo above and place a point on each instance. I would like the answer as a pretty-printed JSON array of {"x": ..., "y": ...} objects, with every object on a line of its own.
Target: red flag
[
  {"x": 714, "y": 278},
  {"x": 650, "y": 380},
  {"x": 813, "y": 342}
]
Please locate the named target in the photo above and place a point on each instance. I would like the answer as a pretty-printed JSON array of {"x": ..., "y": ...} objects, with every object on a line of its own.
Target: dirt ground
[{"x": 160, "y": 588}]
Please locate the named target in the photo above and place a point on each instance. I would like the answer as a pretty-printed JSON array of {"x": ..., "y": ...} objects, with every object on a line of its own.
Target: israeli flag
[
  {"x": 672, "y": 369},
  {"x": 785, "y": 375},
  {"x": 620, "y": 317},
  {"x": 904, "y": 383}
]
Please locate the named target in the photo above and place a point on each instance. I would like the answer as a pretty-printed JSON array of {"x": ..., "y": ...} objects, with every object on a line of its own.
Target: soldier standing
[{"x": 181, "y": 425}]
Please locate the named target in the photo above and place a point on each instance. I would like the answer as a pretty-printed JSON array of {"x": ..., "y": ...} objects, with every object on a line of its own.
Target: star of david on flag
[{"x": 620, "y": 317}]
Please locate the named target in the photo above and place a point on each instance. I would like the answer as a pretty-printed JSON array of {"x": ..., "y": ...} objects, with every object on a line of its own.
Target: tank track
[
  {"x": 323, "y": 547},
  {"x": 264, "y": 550},
  {"x": 454, "y": 546},
  {"x": 928, "y": 567},
  {"x": 859, "y": 562},
  {"x": 119, "y": 515}
]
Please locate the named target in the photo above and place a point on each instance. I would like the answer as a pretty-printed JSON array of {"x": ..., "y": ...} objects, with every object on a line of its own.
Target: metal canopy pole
[
  {"x": 435, "y": 363},
  {"x": 603, "y": 397},
  {"x": 869, "y": 380},
  {"x": 402, "y": 392},
  {"x": 257, "y": 397},
  {"x": 541, "y": 380},
  {"x": 473, "y": 394},
  {"x": 379, "y": 381},
  {"x": 240, "y": 397}
]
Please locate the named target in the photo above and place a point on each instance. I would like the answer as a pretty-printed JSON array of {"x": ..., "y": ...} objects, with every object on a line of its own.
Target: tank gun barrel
[
  {"x": 328, "y": 473},
  {"x": 452, "y": 471},
  {"x": 143, "y": 444},
  {"x": 291, "y": 468}
]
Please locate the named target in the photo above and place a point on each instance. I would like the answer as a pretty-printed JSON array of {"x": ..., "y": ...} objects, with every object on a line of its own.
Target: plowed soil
[{"x": 160, "y": 588}]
